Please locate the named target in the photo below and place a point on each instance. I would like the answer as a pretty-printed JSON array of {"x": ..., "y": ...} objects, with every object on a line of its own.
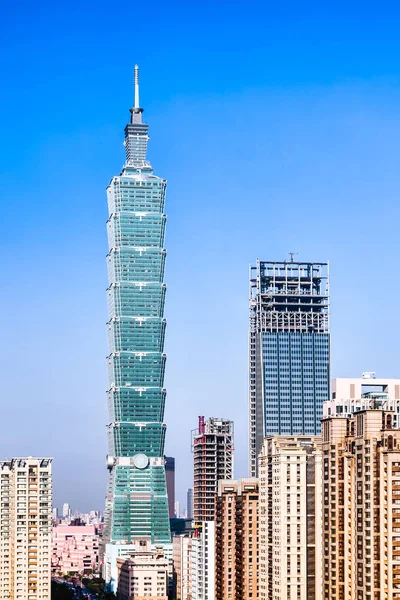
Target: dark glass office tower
[{"x": 289, "y": 347}]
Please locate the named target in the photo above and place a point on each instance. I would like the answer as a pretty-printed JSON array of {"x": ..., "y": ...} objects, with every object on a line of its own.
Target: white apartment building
[
  {"x": 353, "y": 394},
  {"x": 203, "y": 562},
  {"x": 290, "y": 518},
  {"x": 25, "y": 532}
]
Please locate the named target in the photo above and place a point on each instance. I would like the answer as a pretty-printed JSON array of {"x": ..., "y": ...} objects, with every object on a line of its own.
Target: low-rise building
[
  {"x": 143, "y": 575},
  {"x": 75, "y": 549}
]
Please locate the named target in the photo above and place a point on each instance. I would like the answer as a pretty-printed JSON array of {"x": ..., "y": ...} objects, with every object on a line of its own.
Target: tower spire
[
  {"x": 136, "y": 84},
  {"x": 136, "y": 111}
]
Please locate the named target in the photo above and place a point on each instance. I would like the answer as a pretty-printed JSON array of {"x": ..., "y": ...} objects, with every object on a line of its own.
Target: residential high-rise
[
  {"x": 25, "y": 533},
  {"x": 66, "y": 510},
  {"x": 290, "y": 531},
  {"x": 350, "y": 395},
  {"x": 203, "y": 562},
  {"x": 289, "y": 348},
  {"x": 213, "y": 461},
  {"x": 236, "y": 540},
  {"x": 182, "y": 557},
  {"x": 170, "y": 475},
  {"x": 189, "y": 503},
  {"x": 361, "y": 506},
  {"x": 136, "y": 502}
]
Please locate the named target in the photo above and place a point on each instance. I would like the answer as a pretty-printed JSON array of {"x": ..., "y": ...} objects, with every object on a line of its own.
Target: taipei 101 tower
[{"x": 136, "y": 502}]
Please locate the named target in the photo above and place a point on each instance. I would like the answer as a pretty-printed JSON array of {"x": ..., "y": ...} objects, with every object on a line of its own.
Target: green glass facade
[{"x": 136, "y": 503}]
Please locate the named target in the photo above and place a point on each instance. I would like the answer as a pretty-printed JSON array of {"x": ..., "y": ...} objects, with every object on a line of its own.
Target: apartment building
[
  {"x": 203, "y": 561},
  {"x": 25, "y": 533},
  {"x": 290, "y": 533},
  {"x": 361, "y": 506},
  {"x": 143, "y": 575},
  {"x": 75, "y": 549},
  {"x": 352, "y": 394},
  {"x": 182, "y": 559},
  {"x": 236, "y": 540}
]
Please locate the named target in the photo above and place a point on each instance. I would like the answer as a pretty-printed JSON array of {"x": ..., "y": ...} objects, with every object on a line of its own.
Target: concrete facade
[
  {"x": 143, "y": 576},
  {"x": 203, "y": 562},
  {"x": 290, "y": 535},
  {"x": 361, "y": 506},
  {"x": 25, "y": 533},
  {"x": 236, "y": 540},
  {"x": 213, "y": 462},
  {"x": 75, "y": 549}
]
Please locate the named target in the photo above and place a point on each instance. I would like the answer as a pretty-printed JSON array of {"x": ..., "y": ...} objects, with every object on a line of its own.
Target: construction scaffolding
[{"x": 212, "y": 446}]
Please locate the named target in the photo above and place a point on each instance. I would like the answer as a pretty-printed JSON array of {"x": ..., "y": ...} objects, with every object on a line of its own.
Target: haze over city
[{"x": 277, "y": 130}]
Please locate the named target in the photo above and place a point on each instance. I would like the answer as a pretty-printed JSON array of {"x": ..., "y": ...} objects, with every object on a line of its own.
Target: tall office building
[
  {"x": 25, "y": 533},
  {"x": 289, "y": 347},
  {"x": 170, "y": 475},
  {"x": 361, "y": 506},
  {"x": 236, "y": 540},
  {"x": 189, "y": 503},
  {"x": 136, "y": 502},
  {"x": 290, "y": 531},
  {"x": 213, "y": 460},
  {"x": 66, "y": 510}
]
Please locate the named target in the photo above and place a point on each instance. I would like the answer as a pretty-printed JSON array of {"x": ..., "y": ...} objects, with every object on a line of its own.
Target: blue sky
[{"x": 277, "y": 128}]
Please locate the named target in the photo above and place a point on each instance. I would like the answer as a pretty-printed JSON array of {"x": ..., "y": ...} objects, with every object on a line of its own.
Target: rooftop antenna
[
  {"x": 136, "y": 85},
  {"x": 292, "y": 254}
]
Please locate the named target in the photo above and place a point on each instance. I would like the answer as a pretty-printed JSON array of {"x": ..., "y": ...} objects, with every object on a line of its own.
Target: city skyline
[{"x": 315, "y": 150}]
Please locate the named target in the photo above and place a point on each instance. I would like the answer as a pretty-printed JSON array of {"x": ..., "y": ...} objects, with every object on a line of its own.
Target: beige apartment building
[
  {"x": 25, "y": 532},
  {"x": 236, "y": 540},
  {"x": 143, "y": 575},
  {"x": 361, "y": 506},
  {"x": 182, "y": 560},
  {"x": 290, "y": 512}
]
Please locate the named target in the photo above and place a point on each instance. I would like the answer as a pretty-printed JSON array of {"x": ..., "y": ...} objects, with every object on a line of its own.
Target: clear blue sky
[{"x": 277, "y": 126}]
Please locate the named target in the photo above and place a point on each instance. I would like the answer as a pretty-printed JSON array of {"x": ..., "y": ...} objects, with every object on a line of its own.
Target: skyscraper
[
  {"x": 213, "y": 461},
  {"x": 170, "y": 475},
  {"x": 289, "y": 346},
  {"x": 136, "y": 502}
]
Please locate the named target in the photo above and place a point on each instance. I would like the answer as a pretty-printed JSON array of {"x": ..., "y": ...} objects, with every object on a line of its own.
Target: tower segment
[{"x": 136, "y": 502}]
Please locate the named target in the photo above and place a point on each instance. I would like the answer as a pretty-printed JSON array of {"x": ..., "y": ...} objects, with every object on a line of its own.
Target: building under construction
[
  {"x": 212, "y": 445},
  {"x": 289, "y": 345}
]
